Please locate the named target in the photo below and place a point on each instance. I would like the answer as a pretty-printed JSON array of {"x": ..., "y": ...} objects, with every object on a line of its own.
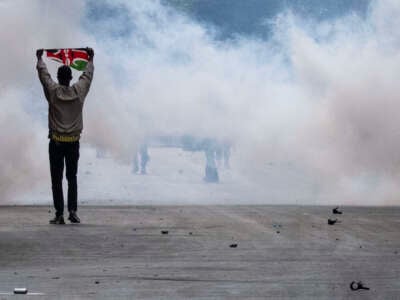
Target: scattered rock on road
[
  {"x": 332, "y": 222},
  {"x": 336, "y": 211}
]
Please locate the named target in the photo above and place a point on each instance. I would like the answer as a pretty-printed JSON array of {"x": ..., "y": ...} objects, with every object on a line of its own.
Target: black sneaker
[
  {"x": 57, "y": 220},
  {"x": 73, "y": 217}
]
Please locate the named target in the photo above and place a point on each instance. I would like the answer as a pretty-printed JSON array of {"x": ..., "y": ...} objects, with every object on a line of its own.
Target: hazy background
[{"x": 306, "y": 90}]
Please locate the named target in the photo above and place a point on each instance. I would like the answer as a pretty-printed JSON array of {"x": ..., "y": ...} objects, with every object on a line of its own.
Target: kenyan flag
[{"x": 76, "y": 58}]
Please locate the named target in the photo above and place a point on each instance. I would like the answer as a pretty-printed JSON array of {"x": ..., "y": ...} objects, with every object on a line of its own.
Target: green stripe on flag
[{"x": 79, "y": 65}]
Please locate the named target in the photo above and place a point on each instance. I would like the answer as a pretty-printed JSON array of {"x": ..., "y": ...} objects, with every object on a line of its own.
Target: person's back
[
  {"x": 65, "y": 127},
  {"x": 65, "y": 102}
]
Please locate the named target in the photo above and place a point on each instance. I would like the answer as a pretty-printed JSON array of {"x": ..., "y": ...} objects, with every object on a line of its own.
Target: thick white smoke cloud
[
  {"x": 321, "y": 96},
  {"x": 26, "y": 26}
]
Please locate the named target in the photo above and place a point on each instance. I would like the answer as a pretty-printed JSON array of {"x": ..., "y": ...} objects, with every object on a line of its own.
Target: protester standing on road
[{"x": 65, "y": 127}]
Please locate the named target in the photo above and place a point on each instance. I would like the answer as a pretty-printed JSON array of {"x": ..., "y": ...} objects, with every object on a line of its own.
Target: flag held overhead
[{"x": 76, "y": 58}]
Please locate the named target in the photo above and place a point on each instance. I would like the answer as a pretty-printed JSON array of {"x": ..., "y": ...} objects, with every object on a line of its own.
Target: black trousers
[{"x": 58, "y": 152}]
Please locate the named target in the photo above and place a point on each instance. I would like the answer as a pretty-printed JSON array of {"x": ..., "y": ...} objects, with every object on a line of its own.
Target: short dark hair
[{"x": 64, "y": 73}]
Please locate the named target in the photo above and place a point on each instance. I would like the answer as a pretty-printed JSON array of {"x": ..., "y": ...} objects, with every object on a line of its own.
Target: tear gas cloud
[{"x": 320, "y": 95}]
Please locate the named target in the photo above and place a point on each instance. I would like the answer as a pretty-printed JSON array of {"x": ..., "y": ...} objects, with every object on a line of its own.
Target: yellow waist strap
[{"x": 63, "y": 138}]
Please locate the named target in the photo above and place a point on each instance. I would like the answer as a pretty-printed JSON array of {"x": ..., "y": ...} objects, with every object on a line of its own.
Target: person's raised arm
[
  {"x": 44, "y": 75},
  {"x": 85, "y": 79}
]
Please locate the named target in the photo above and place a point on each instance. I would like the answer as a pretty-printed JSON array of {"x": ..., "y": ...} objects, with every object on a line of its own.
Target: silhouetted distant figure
[
  {"x": 143, "y": 157},
  {"x": 65, "y": 127},
  {"x": 135, "y": 169},
  {"x": 219, "y": 154},
  {"x": 100, "y": 153},
  {"x": 223, "y": 153},
  {"x": 209, "y": 146},
  {"x": 226, "y": 151}
]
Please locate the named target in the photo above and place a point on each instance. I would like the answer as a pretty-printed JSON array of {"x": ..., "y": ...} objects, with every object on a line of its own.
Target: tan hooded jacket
[{"x": 65, "y": 102}]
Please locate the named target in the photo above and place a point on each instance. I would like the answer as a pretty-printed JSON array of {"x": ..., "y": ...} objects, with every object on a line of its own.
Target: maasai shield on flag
[{"x": 75, "y": 58}]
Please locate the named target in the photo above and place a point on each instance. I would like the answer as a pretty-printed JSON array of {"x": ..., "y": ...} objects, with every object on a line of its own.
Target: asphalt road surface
[{"x": 282, "y": 252}]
